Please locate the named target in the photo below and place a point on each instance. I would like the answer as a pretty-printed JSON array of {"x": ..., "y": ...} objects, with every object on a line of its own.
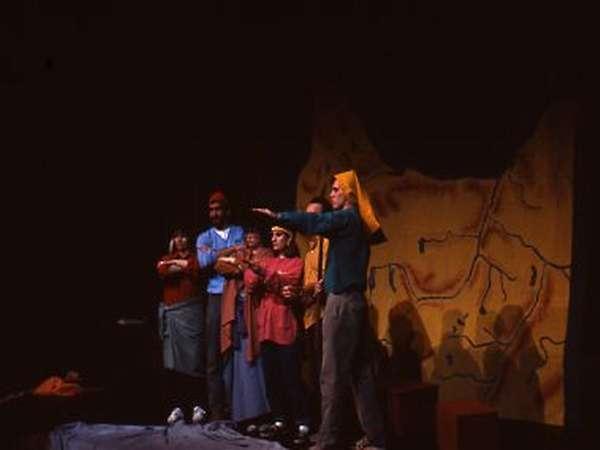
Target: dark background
[{"x": 129, "y": 113}]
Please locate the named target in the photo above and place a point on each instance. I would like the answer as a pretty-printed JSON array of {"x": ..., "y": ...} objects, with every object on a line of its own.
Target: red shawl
[{"x": 231, "y": 263}]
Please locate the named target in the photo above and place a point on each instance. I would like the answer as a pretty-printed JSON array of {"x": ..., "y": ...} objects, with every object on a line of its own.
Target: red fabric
[
  {"x": 181, "y": 285},
  {"x": 56, "y": 386},
  {"x": 217, "y": 196},
  {"x": 467, "y": 425},
  {"x": 251, "y": 307},
  {"x": 233, "y": 283},
  {"x": 275, "y": 319},
  {"x": 232, "y": 271},
  {"x": 230, "y": 292},
  {"x": 412, "y": 408}
]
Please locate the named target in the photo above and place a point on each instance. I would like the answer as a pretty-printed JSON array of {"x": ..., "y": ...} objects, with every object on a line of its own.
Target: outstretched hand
[{"x": 265, "y": 211}]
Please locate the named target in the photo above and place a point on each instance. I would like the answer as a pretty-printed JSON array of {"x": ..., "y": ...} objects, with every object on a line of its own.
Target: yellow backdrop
[{"x": 474, "y": 278}]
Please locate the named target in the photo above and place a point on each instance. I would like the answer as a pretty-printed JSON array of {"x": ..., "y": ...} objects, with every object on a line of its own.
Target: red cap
[{"x": 217, "y": 196}]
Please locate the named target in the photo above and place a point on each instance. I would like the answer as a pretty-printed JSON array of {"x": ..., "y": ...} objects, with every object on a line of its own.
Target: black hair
[
  {"x": 291, "y": 250},
  {"x": 321, "y": 201},
  {"x": 253, "y": 229},
  {"x": 180, "y": 232}
]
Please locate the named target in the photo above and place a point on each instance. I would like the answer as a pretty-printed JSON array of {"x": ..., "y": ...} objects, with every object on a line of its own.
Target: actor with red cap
[{"x": 208, "y": 245}]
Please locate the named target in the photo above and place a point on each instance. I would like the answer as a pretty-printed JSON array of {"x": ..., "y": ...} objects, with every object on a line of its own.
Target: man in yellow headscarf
[{"x": 347, "y": 361}]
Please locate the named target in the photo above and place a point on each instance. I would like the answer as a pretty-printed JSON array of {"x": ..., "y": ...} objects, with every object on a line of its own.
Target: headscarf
[
  {"x": 278, "y": 228},
  {"x": 291, "y": 249},
  {"x": 349, "y": 184}
]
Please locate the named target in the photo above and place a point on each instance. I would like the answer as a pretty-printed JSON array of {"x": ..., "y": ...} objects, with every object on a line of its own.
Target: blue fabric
[
  {"x": 211, "y": 436},
  {"x": 208, "y": 245},
  {"x": 349, "y": 251},
  {"x": 181, "y": 328},
  {"x": 249, "y": 393},
  {"x": 249, "y": 390}
]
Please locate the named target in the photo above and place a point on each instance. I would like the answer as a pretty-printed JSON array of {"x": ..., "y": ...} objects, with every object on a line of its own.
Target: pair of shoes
[
  {"x": 264, "y": 431},
  {"x": 364, "y": 444},
  {"x": 267, "y": 431},
  {"x": 198, "y": 415},
  {"x": 272, "y": 431}
]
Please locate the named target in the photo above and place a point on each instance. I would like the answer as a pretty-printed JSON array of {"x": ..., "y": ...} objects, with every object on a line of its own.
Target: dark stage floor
[
  {"x": 131, "y": 383},
  {"x": 27, "y": 421}
]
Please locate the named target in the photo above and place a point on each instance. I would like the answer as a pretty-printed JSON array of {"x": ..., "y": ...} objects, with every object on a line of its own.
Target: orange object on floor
[{"x": 56, "y": 386}]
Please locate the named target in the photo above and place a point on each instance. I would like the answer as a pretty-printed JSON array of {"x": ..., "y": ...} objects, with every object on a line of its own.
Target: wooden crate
[
  {"x": 412, "y": 409},
  {"x": 467, "y": 425}
]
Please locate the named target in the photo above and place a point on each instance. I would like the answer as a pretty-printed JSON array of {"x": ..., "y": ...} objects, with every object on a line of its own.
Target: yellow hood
[{"x": 349, "y": 184}]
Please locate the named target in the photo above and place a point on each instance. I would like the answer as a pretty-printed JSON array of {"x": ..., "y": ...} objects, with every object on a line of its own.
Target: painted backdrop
[{"x": 473, "y": 282}]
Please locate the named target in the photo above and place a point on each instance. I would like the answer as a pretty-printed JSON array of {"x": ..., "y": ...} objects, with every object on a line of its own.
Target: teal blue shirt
[{"x": 349, "y": 251}]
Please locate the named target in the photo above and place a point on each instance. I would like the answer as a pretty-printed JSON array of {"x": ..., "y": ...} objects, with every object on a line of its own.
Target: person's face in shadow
[
  {"x": 180, "y": 243},
  {"x": 252, "y": 240},
  {"x": 217, "y": 214}
]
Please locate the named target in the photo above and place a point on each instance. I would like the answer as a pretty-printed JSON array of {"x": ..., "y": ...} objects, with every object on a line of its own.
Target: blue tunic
[{"x": 208, "y": 245}]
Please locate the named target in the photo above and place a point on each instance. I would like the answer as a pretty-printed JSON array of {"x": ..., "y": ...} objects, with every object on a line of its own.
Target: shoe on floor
[
  {"x": 198, "y": 415},
  {"x": 364, "y": 444},
  {"x": 301, "y": 437},
  {"x": 175, "y": 416}
]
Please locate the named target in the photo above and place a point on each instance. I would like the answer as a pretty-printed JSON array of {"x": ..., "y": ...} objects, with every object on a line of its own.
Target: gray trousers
[{"x": 348, "y": 363}]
